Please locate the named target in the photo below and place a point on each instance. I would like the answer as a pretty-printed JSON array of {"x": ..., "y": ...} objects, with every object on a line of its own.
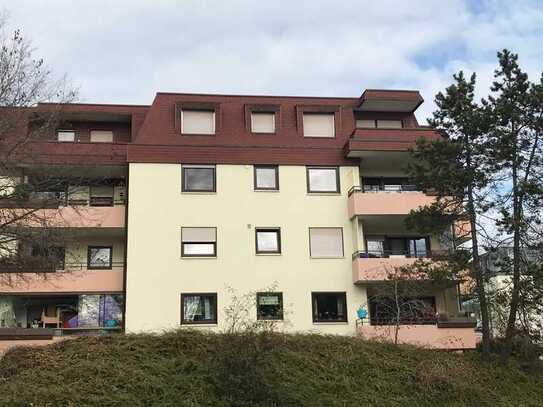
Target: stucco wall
[{"x": 157, "y": 274}]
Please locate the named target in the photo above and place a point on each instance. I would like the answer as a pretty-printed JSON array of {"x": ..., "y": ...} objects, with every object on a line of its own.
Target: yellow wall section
[{"x": 157, "y": 274}]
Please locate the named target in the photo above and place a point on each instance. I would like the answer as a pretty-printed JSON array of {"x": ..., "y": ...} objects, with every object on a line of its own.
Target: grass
[{"x": 189, "y": 368}]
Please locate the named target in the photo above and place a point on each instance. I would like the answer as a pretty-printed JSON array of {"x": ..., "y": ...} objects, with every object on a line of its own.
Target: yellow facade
[{"x": 157, "y": 274}]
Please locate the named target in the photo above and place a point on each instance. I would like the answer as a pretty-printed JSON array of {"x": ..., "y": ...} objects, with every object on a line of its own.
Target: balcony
[
  {"x": 375, "y": 266},
  {"x": 398, "y": 201},
  {"x": 453, "y": 335},
  {"x": 367, "y": 268},
  {"x": 74, "y": 278}
]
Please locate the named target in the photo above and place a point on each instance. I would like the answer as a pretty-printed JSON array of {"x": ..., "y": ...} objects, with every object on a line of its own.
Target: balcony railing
[
  {"x": 386, "y": 188},
  {"x": 370, "y": 254},
  {"x": 57, "y": 202},
  {"x": 40, "y": 265}
]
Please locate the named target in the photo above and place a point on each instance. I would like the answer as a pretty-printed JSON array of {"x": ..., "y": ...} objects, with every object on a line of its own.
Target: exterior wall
[
  {"x": 157, "y": 274},
  {"x": 430, "y": 336}
]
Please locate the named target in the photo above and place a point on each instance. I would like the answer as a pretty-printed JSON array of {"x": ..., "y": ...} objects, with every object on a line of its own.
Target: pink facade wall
[
  {"x": 386, "y": 203},
  {"x": 428, "y": 336},
  {"x": 376, "y": 269},
  {"x": 80, "y": 281},
  {"x": 79, "y": 216}
]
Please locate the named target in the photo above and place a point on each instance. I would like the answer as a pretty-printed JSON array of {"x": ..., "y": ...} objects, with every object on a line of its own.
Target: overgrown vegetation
[{"x": 190, "y": 368}]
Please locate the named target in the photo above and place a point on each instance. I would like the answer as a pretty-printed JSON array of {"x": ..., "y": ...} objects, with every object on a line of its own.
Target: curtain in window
[
  {"x": 7, "y": 313},
  {"x": 191, "y": 307}
]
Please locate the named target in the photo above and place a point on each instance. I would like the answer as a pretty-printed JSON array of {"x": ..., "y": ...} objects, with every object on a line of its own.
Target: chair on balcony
[{"x": 45, "y": 319}]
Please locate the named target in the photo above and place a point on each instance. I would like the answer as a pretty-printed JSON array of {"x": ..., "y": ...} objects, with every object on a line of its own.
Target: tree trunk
[
  {"x": 477, "y": 270},
  {"x": 515, "y": 294}
]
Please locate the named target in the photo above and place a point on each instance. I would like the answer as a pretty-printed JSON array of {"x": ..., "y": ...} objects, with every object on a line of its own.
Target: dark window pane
[
  {"x": 100, "y": 257},
  {"x": 329, "y": 307},
  {"x": 270, "y": 305},
  {"x": 199, "y": 179}
]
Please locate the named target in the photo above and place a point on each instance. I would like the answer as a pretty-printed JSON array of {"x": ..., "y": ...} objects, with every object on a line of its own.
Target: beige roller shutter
[{"x": 319, "y": 125}]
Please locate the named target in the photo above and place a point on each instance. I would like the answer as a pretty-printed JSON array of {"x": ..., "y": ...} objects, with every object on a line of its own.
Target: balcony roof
[
  {"x": 380, "y": 100},
  {"x": 363, "y": 141}
]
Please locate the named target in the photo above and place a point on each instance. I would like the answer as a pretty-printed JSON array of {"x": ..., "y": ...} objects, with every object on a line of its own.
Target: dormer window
[
  {"x": 197, "y": 121},
  {"x": 320, "y": 125},
  {"x": 263, "y": 122}
]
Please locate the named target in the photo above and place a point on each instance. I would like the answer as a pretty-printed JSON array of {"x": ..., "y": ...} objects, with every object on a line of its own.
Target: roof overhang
[{"x": 401, "y": 101}]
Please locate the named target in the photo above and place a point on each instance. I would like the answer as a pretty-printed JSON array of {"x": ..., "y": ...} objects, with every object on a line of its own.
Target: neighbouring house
[
  {"x": 164, "y": 207},
  {"x": 498, "y": 275}
]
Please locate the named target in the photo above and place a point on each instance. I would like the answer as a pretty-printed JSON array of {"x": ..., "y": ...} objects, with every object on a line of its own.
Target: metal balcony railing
[
  {"x": 366, "y": 254},
  {"x": 40, "y": 265},
  {"x": 385, "y": 188}
]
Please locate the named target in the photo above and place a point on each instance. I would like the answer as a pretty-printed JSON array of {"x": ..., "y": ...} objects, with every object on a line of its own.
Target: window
[
  {"x": 323, "y": 179},
  {"x": 329, "y": 307},
  {"x": 198, "y": 178},
  {"x": 99, "y": 136},
  {"x": 101, "y": 195},
  {"x": 364, "y": 123},
  {"x": 268, "y": 240},
  {"x": 99, "y": 257},
  {"x": 389, "y": 124},
  {"x": 50, "y": 258},
  {"x": 263, "y": 122},
  {"x": 98, "y": 311},
  {"x": 197, "y": 121},
  {"x": 66, "y": 136},
  {"x": 409, "y": 310},
  {"x": 319, "y": 125},
  {"x": 198, "y": 242},
  {"x": 269, "y": 306},
  {"x": 326, "y": 242},
  {"x": 375, "y": 247},
  {"x": 199, "y": 308},
  {"x": 266, "y": 177}
]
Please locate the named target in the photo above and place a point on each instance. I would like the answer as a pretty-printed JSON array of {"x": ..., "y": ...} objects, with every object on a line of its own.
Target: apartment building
[{"x": 297, "y": 201}]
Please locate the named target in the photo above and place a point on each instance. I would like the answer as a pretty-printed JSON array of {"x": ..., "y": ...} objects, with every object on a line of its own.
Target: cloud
[{"x": 125, "y": 51}]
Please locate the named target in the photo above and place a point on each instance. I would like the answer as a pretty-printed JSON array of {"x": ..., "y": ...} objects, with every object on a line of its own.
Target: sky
[{"x": 126, "y": 51}]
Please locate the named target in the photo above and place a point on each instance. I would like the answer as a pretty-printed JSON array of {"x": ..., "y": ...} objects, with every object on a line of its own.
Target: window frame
[
  {"x": 66, "y": 131},
  {"x": 323, "y": 167},
  {"x": 342, "y": 243},
  {"x": 211, "y": 110},
  {"x": 214, "y": 243},
  {"x": 196, "y": 166},
  {"x": 322, "y": 113},
  {"x": 315, "y": 294},
  {"x": 256, "y": 112},
  {"x": 281, "y": 315},
  {"x": 277, "y": 230},
  {"x": 215, "y": 308},
  {"x": 255, "y": 178},
  {"x": 108, "y": 267}
]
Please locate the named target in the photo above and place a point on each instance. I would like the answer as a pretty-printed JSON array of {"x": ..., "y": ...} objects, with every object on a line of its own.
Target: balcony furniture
[{"x": 45, "y": 319}]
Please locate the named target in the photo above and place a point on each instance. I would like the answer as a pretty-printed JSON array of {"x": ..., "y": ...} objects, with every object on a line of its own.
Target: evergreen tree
[{"x": 456, "y": 170}]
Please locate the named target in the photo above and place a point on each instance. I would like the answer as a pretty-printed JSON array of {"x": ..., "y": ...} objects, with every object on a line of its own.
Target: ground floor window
[
  {"x": 62, "y": 311},
  {"x": 329, "y": 306},
  {"x": 99, "y": 310},
  {"x": 199, "y": 308},
  {"x": 409, "y": 310},
  {"x": 269, "y": 306}
]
